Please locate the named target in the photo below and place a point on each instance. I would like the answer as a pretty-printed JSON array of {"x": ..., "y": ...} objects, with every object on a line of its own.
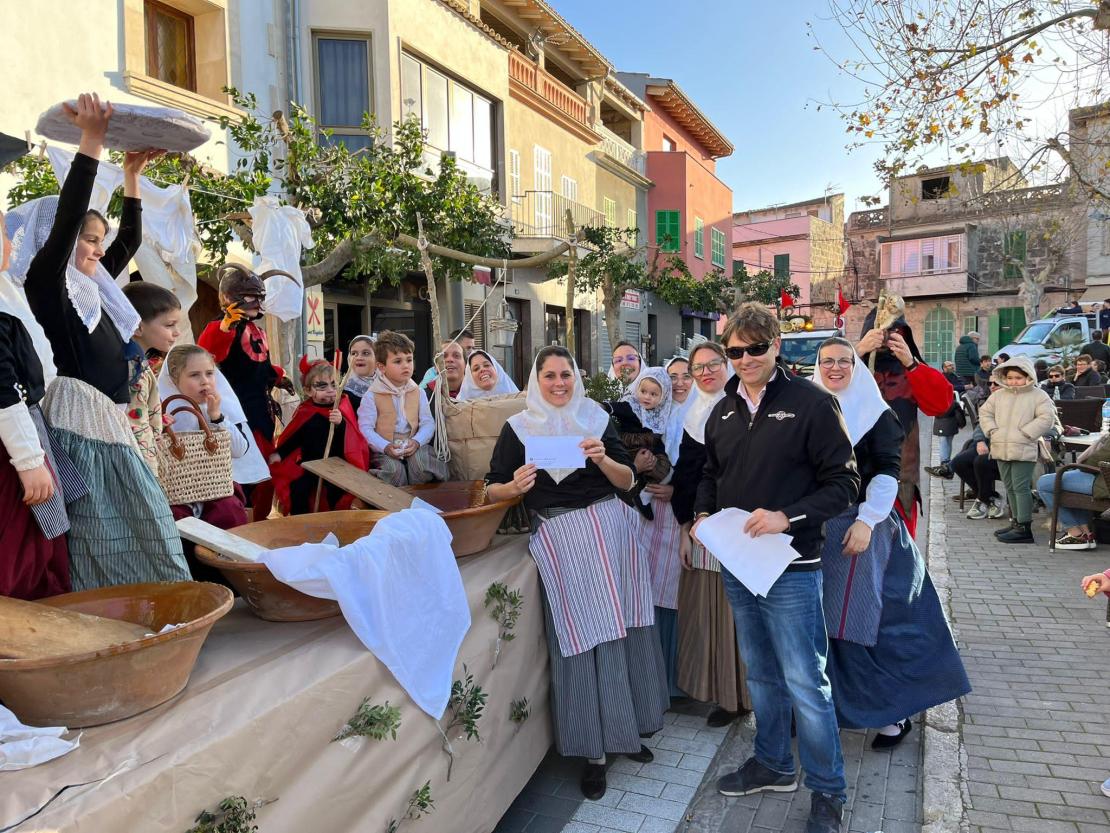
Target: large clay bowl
[
  {"x": 114, "y": 683},
  {"x": 469, "y": 515},
  {"x": 267, "y": 597}
]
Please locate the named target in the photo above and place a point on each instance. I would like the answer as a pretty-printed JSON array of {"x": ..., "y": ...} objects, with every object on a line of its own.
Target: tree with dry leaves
[{"x": 962, "y": 80}]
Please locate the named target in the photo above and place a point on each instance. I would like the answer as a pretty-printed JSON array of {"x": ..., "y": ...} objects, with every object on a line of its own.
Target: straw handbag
[{"x": 193, "y": 466}]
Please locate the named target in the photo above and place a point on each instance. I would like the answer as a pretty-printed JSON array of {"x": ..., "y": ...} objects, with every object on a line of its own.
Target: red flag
[
  {"x": 841, "y": 302},
  {"x": 785, "y": 299}
]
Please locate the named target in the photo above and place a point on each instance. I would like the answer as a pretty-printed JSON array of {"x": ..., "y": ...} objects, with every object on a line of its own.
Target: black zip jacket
[{"x": 792, "y": 456}]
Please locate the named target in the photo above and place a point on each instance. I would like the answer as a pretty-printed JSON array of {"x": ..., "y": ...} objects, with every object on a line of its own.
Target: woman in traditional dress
[
  {"x": 608, "y": 682},
  {"x": 891, "y": 654},
  {"x": 485, "y": 377},
  {"x": 36, "y": 479},
  {"x": 709, "y": 665},
  {"x": 123, "y": 530}
]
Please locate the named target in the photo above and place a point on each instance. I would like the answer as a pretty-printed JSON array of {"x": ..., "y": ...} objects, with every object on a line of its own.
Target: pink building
[{"x": 802, "y": 240}]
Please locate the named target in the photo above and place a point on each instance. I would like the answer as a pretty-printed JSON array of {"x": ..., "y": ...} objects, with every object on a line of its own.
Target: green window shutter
[
  {"x": 782, "y": 266},
  {"x": 718, "y": 248},
  {"x": 1013, "y": 247},
  {"x": 668, "y": 236},
  {"x": 699, "y": 237}
]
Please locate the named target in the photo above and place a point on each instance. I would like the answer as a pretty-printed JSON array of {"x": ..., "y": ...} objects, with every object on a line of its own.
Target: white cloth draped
[
  {"x": 672, "y": 438},
  {"x": 400, "y": 591},
  {"x": 26, "y": 746},
  {"x": 470, "y": 390},
  {"x": 280, "y": 233}
]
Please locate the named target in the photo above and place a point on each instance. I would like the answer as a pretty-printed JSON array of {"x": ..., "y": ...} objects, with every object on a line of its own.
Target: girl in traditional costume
[
  {"x": 608, "y": 681},
  {"x": 306, "y": 438},
  {"x": 891, "y": 653},
  {"x": 485, "y": 377},
  {"x": 362, "y": 368},
  {"x": 36, "y": 478},
  {"x": 122, "y": 531},
  {"x": 709, "y": 665}
]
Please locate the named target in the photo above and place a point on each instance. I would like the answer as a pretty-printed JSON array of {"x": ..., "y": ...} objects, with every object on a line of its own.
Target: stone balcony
[
  {"x": 529, "y": 82},
  {"x": 617, "y": 148}
]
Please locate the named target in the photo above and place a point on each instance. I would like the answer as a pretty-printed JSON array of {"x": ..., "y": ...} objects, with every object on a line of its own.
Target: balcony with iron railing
[
  {"x": 530, "y": 75},
  {"x": 543, "y": 214},
  {"x": 614, "y": 146}
]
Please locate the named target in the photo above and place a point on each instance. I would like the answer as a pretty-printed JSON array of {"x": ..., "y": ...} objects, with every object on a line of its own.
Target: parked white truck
[{"x": 1049, "y": 338}]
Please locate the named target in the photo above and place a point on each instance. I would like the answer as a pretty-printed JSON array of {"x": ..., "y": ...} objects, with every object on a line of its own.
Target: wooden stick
[{"x": 331, "y": 426}]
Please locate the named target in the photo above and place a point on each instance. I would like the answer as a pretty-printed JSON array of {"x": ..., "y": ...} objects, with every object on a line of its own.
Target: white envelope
[
  {"x": 756, "y": 563},
  {"x": 555, "y": 452}
]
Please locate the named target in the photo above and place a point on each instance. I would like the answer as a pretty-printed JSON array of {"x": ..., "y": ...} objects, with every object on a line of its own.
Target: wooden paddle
[
  {"x": 338, "y": 360},
  {"x": 363, "y": 485},
  {"x": 29, "y": 630},
  {"x": 220, "y": 541}
]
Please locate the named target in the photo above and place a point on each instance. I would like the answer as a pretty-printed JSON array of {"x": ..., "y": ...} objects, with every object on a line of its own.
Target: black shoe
[
  {"x": 644, "y": 756},
  {"x": 720, "y": 717},
  {"x": 825, "y": 814},
  {"x": 940, "y": 471},
  {"x": 998, "y": 533},
  {"x": 753, "y": 777},
  {"x": 593, "y": 781},
  {"x": 890, "y": 741},
  {"x": 1019, "y": 534}
]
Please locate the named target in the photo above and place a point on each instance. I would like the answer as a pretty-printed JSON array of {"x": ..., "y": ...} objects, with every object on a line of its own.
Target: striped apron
[
  {"x": 853, "y": 585},
  {"x": 70, "y": 485},
  {"x": 659, "y": 544},
  {"x": 596, "y": 582}
]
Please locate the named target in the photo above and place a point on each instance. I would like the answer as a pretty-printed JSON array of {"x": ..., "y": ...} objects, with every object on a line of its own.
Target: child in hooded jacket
[{"x": 1014, "y": 419}]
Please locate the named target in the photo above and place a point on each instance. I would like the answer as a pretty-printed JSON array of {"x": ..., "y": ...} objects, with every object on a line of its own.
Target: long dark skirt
[
  {"x": 604, "y": 699},
  {"x": 32, "y": 566},
  {"x": 666, "y": 623},
  {"x": 914, "y": 664},
  {"x": 709, "y": 664}
]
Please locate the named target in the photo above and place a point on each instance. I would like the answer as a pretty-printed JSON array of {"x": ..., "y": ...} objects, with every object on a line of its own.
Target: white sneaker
[
  {"x": 995, "y": 511},
  {"x": 978, "y": 512},
  {"x": 1106, "y": 784}
]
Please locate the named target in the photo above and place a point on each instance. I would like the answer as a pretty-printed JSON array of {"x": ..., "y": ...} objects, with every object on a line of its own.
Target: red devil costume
[
  {"x": 907, "y": 390},
  {"x": 305, "y": 438}
]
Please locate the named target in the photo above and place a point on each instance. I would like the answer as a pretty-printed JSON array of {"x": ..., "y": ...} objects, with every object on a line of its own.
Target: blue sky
[{"x": 753, "y": 71}]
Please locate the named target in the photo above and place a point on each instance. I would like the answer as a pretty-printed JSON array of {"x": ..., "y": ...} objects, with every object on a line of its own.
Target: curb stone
[{"x": 945, "y": 759}]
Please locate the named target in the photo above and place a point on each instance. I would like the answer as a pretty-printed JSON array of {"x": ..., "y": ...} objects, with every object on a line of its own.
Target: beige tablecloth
[{"x": 257, "y": 716}]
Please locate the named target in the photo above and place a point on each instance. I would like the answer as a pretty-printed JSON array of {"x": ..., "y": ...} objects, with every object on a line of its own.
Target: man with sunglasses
[
  {"x": 1056, "y": 385},
  {"x": 776, "y": 446}
]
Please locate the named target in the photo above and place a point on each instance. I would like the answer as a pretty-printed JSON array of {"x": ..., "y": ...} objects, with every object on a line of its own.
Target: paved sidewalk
[{"x": 1034, "y": 727}]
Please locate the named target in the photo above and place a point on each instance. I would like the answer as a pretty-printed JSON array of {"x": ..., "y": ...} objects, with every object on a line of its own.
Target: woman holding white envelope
[
  {"x": 608, "y": 680},
  {"x": 891, "y": 653}
]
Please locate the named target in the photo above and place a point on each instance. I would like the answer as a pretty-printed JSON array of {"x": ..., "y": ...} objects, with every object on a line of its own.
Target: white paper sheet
[
  {"x": 555, "y": 452},
  {"x": 756, "y": 562}
]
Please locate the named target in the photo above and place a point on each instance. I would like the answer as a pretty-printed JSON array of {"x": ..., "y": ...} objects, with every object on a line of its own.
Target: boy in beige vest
[{"x": 395, "y": 418}]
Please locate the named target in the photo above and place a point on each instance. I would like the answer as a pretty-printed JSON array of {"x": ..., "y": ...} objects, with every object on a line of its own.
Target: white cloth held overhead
[
  {"x": 27, "y": 746},
  {"x": 400, "y": 591},
  {"x": 280, "y": 233},
  {"x": 580, "y": 417}
]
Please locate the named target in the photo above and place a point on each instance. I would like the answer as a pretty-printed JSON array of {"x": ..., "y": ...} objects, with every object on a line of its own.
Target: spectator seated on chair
[
  {"x": 1056, "y": 385},
  {"x": 1078, "y": 534}
]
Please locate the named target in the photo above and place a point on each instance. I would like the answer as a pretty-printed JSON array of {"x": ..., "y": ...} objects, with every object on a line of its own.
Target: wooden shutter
[
  {"x": 478, "y": 324},
  {"x": 782, "y": 266},
  {"x": 668, "y": 236}
]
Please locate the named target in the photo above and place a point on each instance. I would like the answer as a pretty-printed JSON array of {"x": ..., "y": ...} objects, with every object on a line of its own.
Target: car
[
  {"x": 1052, "y": 338},
  {"x": 799, "y": 349}
]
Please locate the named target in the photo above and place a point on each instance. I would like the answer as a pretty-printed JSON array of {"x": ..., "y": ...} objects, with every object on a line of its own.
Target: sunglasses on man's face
[
  {"x": 1055, "y": 376},
  {"x": 760, "y": 349}
]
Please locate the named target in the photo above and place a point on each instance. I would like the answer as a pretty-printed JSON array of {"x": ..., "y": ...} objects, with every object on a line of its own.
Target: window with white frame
[
  {"x": 717, "y": 254},
  {"x": 569, "y": 188},
  {"x": 514, "y": 175},
  {"x": 927, "y": 256},
  {"x": 699, "y": 237},
  {"x": 631, "y": 219},
  {"x": 343, "y": 87},
  {"x": 541, "y": 183},
  {"x": 609, "y": 208}
]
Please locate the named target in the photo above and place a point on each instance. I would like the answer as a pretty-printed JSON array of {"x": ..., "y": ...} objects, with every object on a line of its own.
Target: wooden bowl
[
  {"x": 267, "y": 597},
  {"x": 467, "y": 512},
  {"x": 114, "y": 683}
]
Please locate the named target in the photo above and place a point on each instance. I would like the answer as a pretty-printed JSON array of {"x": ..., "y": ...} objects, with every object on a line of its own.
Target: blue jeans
[
  {"x": 784, "y": 646},
  {"x": 945, "y": 450},
  {"x": 1079, "y": 482}
]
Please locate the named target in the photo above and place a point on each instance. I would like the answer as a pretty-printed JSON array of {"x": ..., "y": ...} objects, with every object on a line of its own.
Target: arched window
[{"x": 940, "y": 325}]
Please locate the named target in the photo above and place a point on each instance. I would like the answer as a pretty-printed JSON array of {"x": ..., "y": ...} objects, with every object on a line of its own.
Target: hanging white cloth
[
  {"x": 26, "y": 746},
  {"x": 280, "y": 233},
  {"x": 91, "y": 295},
  {"x": 13, "y": 301},
  {"x": 400, "y": 591},
  {"x": 580, "y": 417},
  {"x": 672, "y": 438},
  {"x": 168, "y": 255},
  {"x": 245, "y": 470},
  {"x": 501, "y": 386}
]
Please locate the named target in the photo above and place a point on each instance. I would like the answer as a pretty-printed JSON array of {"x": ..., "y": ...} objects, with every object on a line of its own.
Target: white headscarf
[
  {"x": 673, "y": 436},
  {"x": 90, "y": 295},
  {"x": 631, "y": 382},
  {"x": 13, "y": 301},
  {"x": 579, "y": 417},
  {"x": 861, "y": 402},
  {"x": 698, "y": 413},
  {"x": 470, "y": 390},
  {"x": 654, "y": 420},
  {"x": 251, "y": 467}
]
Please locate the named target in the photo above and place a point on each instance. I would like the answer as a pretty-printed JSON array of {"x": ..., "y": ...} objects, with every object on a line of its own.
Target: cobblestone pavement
[{"x": 1035, "y": 648}]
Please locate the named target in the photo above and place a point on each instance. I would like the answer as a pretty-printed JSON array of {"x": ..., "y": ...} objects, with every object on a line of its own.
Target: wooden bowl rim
[
  {"x": 205, "y": 621},
  {"x": 484, "y": 509}
]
